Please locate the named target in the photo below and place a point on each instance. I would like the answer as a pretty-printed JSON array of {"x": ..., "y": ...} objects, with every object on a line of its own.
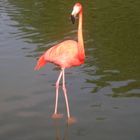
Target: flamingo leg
[
  {"x": 65, "y": 94},
  {"x": 55, "y": 115}
]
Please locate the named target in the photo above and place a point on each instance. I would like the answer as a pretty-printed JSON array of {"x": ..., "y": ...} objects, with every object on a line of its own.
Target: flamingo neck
[{"x": 80, "y": 34}]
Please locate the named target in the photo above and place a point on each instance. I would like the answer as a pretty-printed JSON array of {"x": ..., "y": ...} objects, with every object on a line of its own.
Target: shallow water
[{"x": 104, "y": 93}]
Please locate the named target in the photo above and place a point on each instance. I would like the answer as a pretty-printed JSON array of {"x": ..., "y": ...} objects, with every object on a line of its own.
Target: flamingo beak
[
  {"x": 73, "y": 19},
  {"x": 74, "y": 13}
]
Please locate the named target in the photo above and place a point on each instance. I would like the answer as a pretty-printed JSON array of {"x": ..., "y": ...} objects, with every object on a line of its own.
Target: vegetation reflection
[{"x": 111, "y": 39}]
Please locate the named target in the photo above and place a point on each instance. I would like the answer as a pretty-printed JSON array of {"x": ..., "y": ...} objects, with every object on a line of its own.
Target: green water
[{"x": 104, "y": 93}]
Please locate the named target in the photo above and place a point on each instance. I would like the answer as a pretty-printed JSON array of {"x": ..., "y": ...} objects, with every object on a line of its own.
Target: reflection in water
[
  {"x": 38, "y": 20},
  {"x": 111, "y": 40},
  {"x": 106, "y": 88},
  {"x": 58, "y": 131}
]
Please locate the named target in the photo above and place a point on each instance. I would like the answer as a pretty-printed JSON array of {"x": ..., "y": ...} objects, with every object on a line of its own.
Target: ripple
[
  {"x": 27, "y": 114},
  {"x": 116, "y": 84},
  {"x": 128, "y": 88},
  {"x": 15, "y": 98}
]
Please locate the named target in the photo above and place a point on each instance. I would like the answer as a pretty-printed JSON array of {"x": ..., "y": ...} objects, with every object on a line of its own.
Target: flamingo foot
[
  {"x": 71, "y": 120},
  {"x": 57, "y": 116}
]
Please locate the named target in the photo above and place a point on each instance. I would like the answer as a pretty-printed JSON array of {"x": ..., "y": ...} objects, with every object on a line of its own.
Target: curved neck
[{"x": 80, "y": 33}]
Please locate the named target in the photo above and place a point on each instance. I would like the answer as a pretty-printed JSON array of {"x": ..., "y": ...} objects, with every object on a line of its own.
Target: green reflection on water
[{"x": 111, "y": 33}]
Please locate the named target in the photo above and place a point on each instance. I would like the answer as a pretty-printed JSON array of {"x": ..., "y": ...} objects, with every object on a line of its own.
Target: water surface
[{"x": 104, "y": 93}]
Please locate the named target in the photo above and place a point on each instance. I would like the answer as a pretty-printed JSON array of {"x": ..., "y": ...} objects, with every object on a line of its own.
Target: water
[{"x": 103, "y": 93}]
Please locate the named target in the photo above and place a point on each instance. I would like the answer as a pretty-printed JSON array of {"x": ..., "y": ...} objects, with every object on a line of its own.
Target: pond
[{"x": 104, "y": 92}]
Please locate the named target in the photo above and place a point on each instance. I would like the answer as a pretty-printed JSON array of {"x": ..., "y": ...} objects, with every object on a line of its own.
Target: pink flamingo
[{"x": 66, "y": 54}]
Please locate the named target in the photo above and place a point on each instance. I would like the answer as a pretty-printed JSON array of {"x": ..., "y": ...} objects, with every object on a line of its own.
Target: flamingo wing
[{"x": 65, "y": 54}]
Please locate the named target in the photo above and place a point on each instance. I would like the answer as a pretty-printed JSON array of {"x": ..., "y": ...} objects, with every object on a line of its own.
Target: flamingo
[{"x": 66, "y": 54}]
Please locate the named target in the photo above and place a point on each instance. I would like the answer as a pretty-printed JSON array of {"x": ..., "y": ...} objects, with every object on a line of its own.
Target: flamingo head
[{"x": 76, "y": 10}]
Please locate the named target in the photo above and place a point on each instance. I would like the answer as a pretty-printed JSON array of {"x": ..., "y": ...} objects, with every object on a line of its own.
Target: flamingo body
[{"x": 64, "y": 54}]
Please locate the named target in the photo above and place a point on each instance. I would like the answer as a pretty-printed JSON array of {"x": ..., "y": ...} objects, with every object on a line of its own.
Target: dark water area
[{"x": 104, "y": 93}]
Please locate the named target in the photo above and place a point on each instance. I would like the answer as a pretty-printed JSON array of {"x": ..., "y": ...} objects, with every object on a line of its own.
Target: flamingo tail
[{"x": 40, "y": 63}]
